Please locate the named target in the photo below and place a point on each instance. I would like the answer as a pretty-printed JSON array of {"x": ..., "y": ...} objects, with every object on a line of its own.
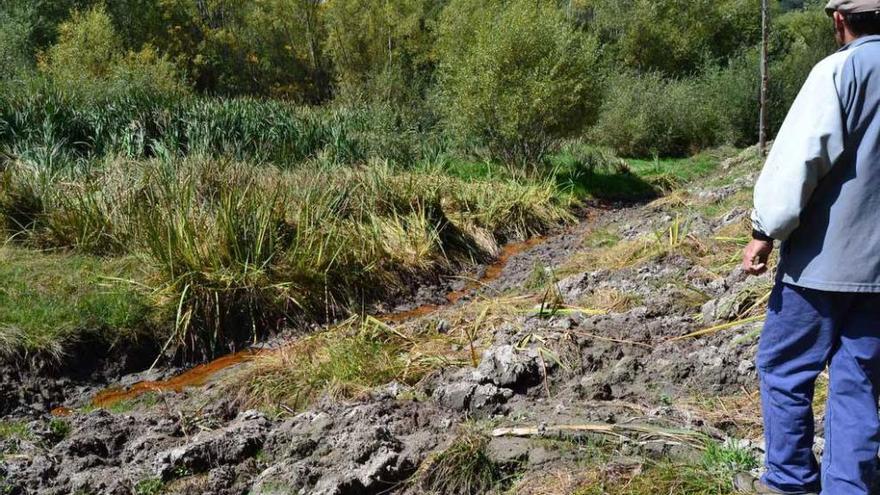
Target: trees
[
  {"x": 524, "y": 78},
  {"x": 89, "y": 55},
  {"x": 673, "y": 37},
  {"x": 16, "y": 50},
  {"x": 381, "y": 48}
]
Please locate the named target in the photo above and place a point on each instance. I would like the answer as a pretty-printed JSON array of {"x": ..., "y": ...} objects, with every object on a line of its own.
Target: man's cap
[{"x": 852, "y": 6}]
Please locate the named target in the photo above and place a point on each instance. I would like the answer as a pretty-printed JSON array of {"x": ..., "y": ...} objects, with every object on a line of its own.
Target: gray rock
[
  {"x": 506, "y": 450},
  {"x": 455, "y": 396},
  {"x": 574, "y": 286},
  {"x": 507, "y": 367}
]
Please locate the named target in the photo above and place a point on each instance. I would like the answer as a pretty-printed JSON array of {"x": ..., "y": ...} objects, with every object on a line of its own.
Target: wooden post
[{"x": 765, "y": 76}]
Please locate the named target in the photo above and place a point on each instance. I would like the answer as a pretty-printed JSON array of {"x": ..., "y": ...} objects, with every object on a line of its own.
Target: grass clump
[
  {"x": 464, "y": 468},
  {"x": 712, "y": 474},
  {"x": 50, "y": 301},
  {"x": 149, "y": 486},
  {"x": 14, "y": 430},
  {"x": 340, "y": 363}
]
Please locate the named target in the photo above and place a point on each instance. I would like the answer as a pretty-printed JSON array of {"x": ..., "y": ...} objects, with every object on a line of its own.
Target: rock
[
  {"x": 443, "y": 327},
  {"x": 734, "y": 215},
  {"x": 487, "y": 397},
  {"x": 507, "y": 450},
  {"x": 455, "y": 396},
  {"x": 574, "y": 286},
  {"x": 745, "y": 367},
  {"x": 469, "y": 396},
  {"x": 507, "y": 367}
]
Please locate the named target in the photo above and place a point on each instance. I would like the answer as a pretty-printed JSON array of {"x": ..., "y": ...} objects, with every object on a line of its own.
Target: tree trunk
[{"x": 765, "y": 76}]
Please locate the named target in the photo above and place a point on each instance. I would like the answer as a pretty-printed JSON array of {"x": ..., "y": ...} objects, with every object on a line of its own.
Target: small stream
[{"x": 202, "y": 374}]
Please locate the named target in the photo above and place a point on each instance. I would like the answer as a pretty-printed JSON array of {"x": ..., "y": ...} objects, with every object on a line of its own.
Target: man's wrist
[{"x": 760, "y": 236}]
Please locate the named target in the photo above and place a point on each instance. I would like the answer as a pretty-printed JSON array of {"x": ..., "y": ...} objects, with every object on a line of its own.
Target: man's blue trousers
[{"x": 807, "y": 330}]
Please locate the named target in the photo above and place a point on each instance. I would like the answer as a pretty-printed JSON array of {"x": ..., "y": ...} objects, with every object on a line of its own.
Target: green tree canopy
[{"x": 515, "y": 74}]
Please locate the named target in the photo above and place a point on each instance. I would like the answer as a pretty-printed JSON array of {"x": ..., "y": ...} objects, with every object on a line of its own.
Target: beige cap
[{"x": 852, "y": 6}]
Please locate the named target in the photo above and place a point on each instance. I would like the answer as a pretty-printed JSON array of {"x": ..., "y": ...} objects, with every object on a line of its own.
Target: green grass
[
  {"x": 14, "y": 430},
  {"x": 49, "y": 301},
  {"x": 463, "y": 467},
  {"x": 149, "y": 486},
  {"x": 711, "y": 473},
  {"x": 234, "y": 249},
  {"x": 675, "y": 170}
]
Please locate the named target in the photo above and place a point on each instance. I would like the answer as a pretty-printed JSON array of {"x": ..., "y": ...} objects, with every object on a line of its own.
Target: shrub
[
  {"x": 650, "y": 114},
  {"x": 89, "y": 57},
  {"x": 524, "y": 78}
]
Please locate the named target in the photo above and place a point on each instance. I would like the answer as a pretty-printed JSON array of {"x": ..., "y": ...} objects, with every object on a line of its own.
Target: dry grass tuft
[{"x": 610, "y": 300}]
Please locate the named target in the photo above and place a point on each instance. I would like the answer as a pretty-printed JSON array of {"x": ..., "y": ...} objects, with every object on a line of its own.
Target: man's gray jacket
[{"x": 819, "y": 191}]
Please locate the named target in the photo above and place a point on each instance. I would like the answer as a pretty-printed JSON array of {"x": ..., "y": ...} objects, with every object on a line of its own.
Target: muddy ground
[{"x": 626, "y": 371}]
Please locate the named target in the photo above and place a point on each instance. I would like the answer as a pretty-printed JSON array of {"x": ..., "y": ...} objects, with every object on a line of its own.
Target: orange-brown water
[
  {"x": 193, "y": 377},
  {"x": 201, "y": 374},
  {"x": 492, "y": 272},
  {"x": 61, "y": 411}
]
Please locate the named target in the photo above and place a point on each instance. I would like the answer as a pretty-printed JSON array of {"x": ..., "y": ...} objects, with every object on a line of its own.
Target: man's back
[{"x": 820, "y": 190}]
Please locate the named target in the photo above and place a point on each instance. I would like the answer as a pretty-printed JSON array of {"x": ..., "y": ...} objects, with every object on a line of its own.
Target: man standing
[{"x": 819, "y": 193}]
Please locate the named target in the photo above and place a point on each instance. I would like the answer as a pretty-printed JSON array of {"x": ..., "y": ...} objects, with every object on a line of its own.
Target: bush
[
  {"x": 650, "y": 114},
  {"x": 523, "y": 79},
  {"x": 89, "y": 57}
]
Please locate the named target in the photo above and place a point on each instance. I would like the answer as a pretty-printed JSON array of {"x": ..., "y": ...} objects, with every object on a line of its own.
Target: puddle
[{"x": 201, "y": 374}]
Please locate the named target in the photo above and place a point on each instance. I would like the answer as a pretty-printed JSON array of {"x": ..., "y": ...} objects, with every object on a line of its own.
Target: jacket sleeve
[{"x": 806, "y": 147}]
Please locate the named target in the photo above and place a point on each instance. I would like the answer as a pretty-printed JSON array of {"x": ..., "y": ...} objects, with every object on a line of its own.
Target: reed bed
[{"x": 238, "y": 248}]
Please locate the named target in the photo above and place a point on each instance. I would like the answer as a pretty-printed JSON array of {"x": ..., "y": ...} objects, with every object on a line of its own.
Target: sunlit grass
[
  {"x": 49, "y": 301},
  {"x": 234, "y": 249}
]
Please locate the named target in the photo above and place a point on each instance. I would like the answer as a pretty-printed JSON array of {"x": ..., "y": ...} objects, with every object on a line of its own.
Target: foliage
[
  {"x": 149, "y": 486},
  {"x": 648, "y": 114},
  {"x": 523, "y": 79},
  {"x": 238, "y": 248},
  {"x": 800, "y": 40},
  {"x": 15, "y": 31},
  {"x": 529, "y": 73},
  {"x": 464, "y": 468},
  {"x": 341, "y": 363},
  {"x": 672, "y": 37},
  {"x": 381, "y": 49},
  {"x": 89, "y": 55}
]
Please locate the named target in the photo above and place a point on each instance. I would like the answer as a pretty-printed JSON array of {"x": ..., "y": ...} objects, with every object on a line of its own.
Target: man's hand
[{"x": 756, "y": 255}]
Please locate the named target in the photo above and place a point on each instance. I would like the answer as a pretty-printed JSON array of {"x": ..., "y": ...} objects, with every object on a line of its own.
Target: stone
[
  {"x": 507, "y": 450},
  {"x": 507, "y": 367}
]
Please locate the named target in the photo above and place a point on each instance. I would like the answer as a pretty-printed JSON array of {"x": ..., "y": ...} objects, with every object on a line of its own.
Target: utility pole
[{"x": 765, "y": 76}]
